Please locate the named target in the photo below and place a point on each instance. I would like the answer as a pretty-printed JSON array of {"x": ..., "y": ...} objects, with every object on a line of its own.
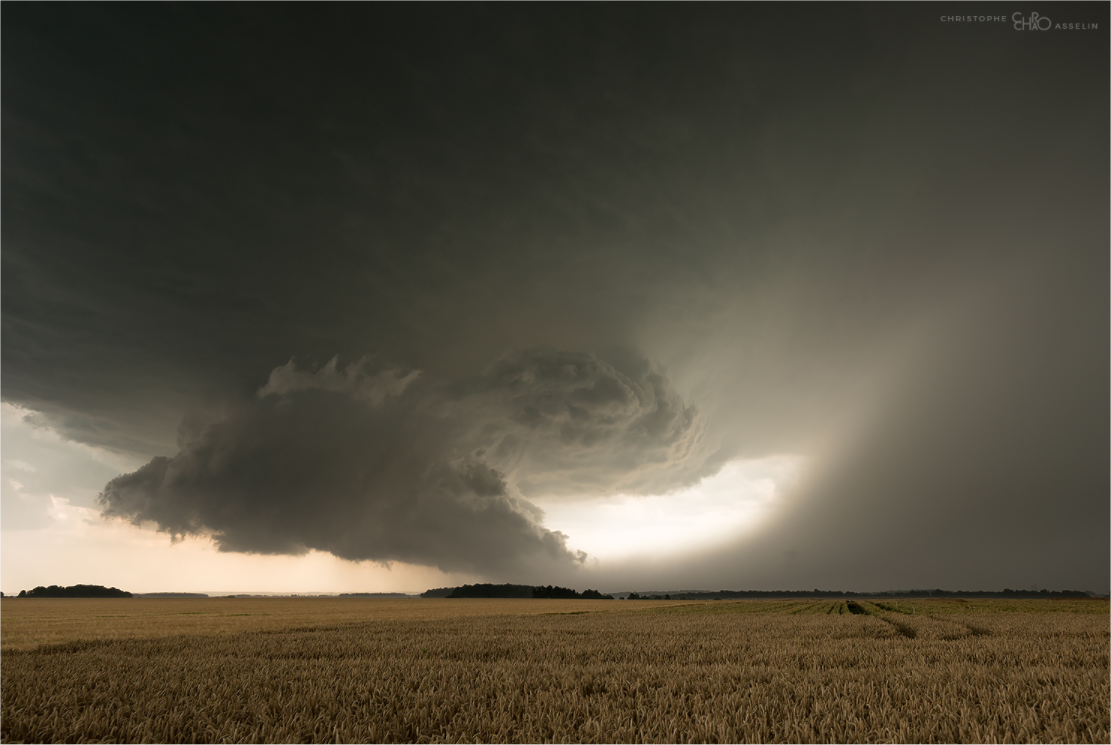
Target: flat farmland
[
  {"x": 27, "y": 624},
  {"x": 369, "y": 670}
]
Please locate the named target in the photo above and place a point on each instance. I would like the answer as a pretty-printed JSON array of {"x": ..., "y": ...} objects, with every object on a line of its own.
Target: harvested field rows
[
  {"x": 29, "y": 624},
  {"x": 710, "y": 672}
]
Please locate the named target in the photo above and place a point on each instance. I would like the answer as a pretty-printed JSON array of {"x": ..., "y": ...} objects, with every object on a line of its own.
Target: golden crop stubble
[
  {"x": 733, "y": 673},
  {"x": 29, "y": 623}
]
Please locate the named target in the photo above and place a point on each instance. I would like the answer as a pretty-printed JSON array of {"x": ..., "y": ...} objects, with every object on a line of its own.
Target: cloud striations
[{"x": 361, "y": 464}]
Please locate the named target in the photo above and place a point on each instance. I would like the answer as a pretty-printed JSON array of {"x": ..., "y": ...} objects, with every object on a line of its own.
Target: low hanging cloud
[
  {"x": 366, "y": 465},
  {"x": 568, "y": 423}
]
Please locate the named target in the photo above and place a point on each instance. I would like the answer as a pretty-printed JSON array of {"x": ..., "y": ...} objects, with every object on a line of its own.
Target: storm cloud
[
  {"x": 565, "y": 423},
  {"x": 861, "y": 236},
  {"x": 356, "y": 462}
]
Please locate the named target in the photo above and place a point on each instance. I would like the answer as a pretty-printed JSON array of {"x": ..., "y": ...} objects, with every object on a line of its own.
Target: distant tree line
[
  {"x": 75, "y": 591},
  {"x": 491, "y": 591},
  {"x": 563, "y": 592},
  {"x": 373, "y": 595},
  {"x": 513, "y": 591}
]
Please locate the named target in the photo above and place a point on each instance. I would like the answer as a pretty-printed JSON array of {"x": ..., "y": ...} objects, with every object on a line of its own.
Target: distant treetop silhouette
[{"x": 76, "y": 591}]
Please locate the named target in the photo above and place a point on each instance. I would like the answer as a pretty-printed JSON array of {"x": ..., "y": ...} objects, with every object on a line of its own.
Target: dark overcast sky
[{"x": 588, "y": 249}]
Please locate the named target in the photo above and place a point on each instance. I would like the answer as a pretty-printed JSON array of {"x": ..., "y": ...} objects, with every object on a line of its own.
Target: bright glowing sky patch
[{"x": 720, "y": 507}]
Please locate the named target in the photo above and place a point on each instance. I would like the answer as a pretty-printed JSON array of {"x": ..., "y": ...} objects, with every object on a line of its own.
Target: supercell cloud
[
  {"x": 360, "y": 463},
  {"x": 594, "y": 250}
]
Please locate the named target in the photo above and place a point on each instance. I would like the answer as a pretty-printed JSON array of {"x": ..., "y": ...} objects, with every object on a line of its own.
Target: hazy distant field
[
  {"x": 30, "y": 623},
  {"x": 366, "y": 670}
]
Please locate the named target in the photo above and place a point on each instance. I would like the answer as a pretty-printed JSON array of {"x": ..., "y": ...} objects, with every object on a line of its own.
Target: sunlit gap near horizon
[{"x": 734, "y": 501}]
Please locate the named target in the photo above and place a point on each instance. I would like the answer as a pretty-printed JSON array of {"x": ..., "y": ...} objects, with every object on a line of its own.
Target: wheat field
[{"x": 365, "y": 670}]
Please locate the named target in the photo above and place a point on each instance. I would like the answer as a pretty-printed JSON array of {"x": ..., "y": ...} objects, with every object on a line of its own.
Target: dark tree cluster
[
  {"x": 513, "y": 591},
  {"x": 595, "y": 595},
  {"x": 75, "y": 591},
  {"x": 492, "y": 591},
  {"x": 567, "y": 593}
]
